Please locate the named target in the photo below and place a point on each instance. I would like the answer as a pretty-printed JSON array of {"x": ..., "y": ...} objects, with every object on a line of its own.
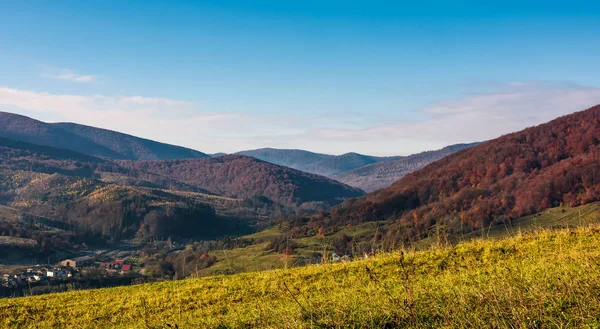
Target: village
[{"x": 82, "y": 270}]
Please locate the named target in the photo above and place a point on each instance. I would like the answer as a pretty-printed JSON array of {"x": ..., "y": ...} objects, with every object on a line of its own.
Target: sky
[{"x": 374, "y": 77}]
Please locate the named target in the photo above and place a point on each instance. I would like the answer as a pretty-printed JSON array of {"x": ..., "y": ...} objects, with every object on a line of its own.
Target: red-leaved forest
[{"x": 515, "y": 175}]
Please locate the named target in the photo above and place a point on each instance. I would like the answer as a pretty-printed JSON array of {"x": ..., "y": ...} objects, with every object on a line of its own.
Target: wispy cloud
[
  {"x": 473, "y": 117},
  {"x": 66, "y": 74},
  {"x": 163, "y": 119}
]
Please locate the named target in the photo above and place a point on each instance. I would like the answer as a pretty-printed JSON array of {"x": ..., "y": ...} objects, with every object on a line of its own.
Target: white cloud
[
  {"x": 66, "y": 74},
  {"x": 474, "y": 117},
  {"x": 167, "y": 120}
]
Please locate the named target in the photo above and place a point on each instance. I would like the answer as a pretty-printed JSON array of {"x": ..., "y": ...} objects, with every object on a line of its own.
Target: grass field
[
  {"x": 553, "y": 218},
  {"x": 541, "y": 279},
  {"x": 258, "y": 258}
]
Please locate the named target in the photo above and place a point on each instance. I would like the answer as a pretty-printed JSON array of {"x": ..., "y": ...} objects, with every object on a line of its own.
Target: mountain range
[
  {"x": 107, "y": 199},
  {"x": 233, "y": 176},
  {"x": 361, "y": 171},
  {"x": 459, "y": 188},
  {"x": 366, "y": 172},
  {"x": 316, "y": 163}
]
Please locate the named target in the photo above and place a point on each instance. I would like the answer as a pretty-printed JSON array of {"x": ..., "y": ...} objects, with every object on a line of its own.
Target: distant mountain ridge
[
  {"x": 133, "y": 148},
  {"x": 25, "y": 129},
  {"x": 366, "y": 172},
  {"x": 315, "y": 163},
  {"x": 382, "y": 174},
  {"x": 89, "y": 140}
]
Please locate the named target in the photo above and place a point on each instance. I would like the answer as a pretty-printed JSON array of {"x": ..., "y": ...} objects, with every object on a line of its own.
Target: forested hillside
[
  {"x": 503, "y": 179},
  {"x": 62, "y": 197},
  {"x": 234, "y": 176},
  {"x": 244, "y": 177},
  {"x": 112, "y": 212}
]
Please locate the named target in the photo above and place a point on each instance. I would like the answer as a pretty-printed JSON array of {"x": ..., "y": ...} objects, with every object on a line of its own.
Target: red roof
[
  {"x": 119, "y": 261},
  {"x": 126, "y": 268}
]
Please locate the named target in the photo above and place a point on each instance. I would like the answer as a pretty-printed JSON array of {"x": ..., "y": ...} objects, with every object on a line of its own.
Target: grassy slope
[
  {"x": 553, "y": 218},
  {"x": 256, "y": 257},
  {"x": 247, "y": 259},
  {"x": 546, "y": 279}
]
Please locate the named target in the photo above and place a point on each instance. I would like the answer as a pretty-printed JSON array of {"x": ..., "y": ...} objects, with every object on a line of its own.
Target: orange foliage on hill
[
  {"x": 245, "y": 177},
  {"x": 505, "y": 178}
]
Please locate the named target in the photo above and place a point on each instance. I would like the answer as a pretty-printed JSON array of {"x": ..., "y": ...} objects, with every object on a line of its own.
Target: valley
[
  {"x": 229, "y": 217},
  {"x": 299, "y": 164}
]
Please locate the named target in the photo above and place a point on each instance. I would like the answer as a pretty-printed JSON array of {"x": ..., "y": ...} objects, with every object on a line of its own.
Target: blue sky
[{"x": 378, "y": 77}]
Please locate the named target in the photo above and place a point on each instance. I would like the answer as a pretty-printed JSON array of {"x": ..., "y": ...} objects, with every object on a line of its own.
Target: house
[
  {"x": 116, "y": 264},
  {"x": 33, "y": 278},
  {"x": 77, "y": 262},
  {"x": 50, "y": 274},
  {"x": 107, "y": 265},
  {"x": 126, "y": 268}
]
